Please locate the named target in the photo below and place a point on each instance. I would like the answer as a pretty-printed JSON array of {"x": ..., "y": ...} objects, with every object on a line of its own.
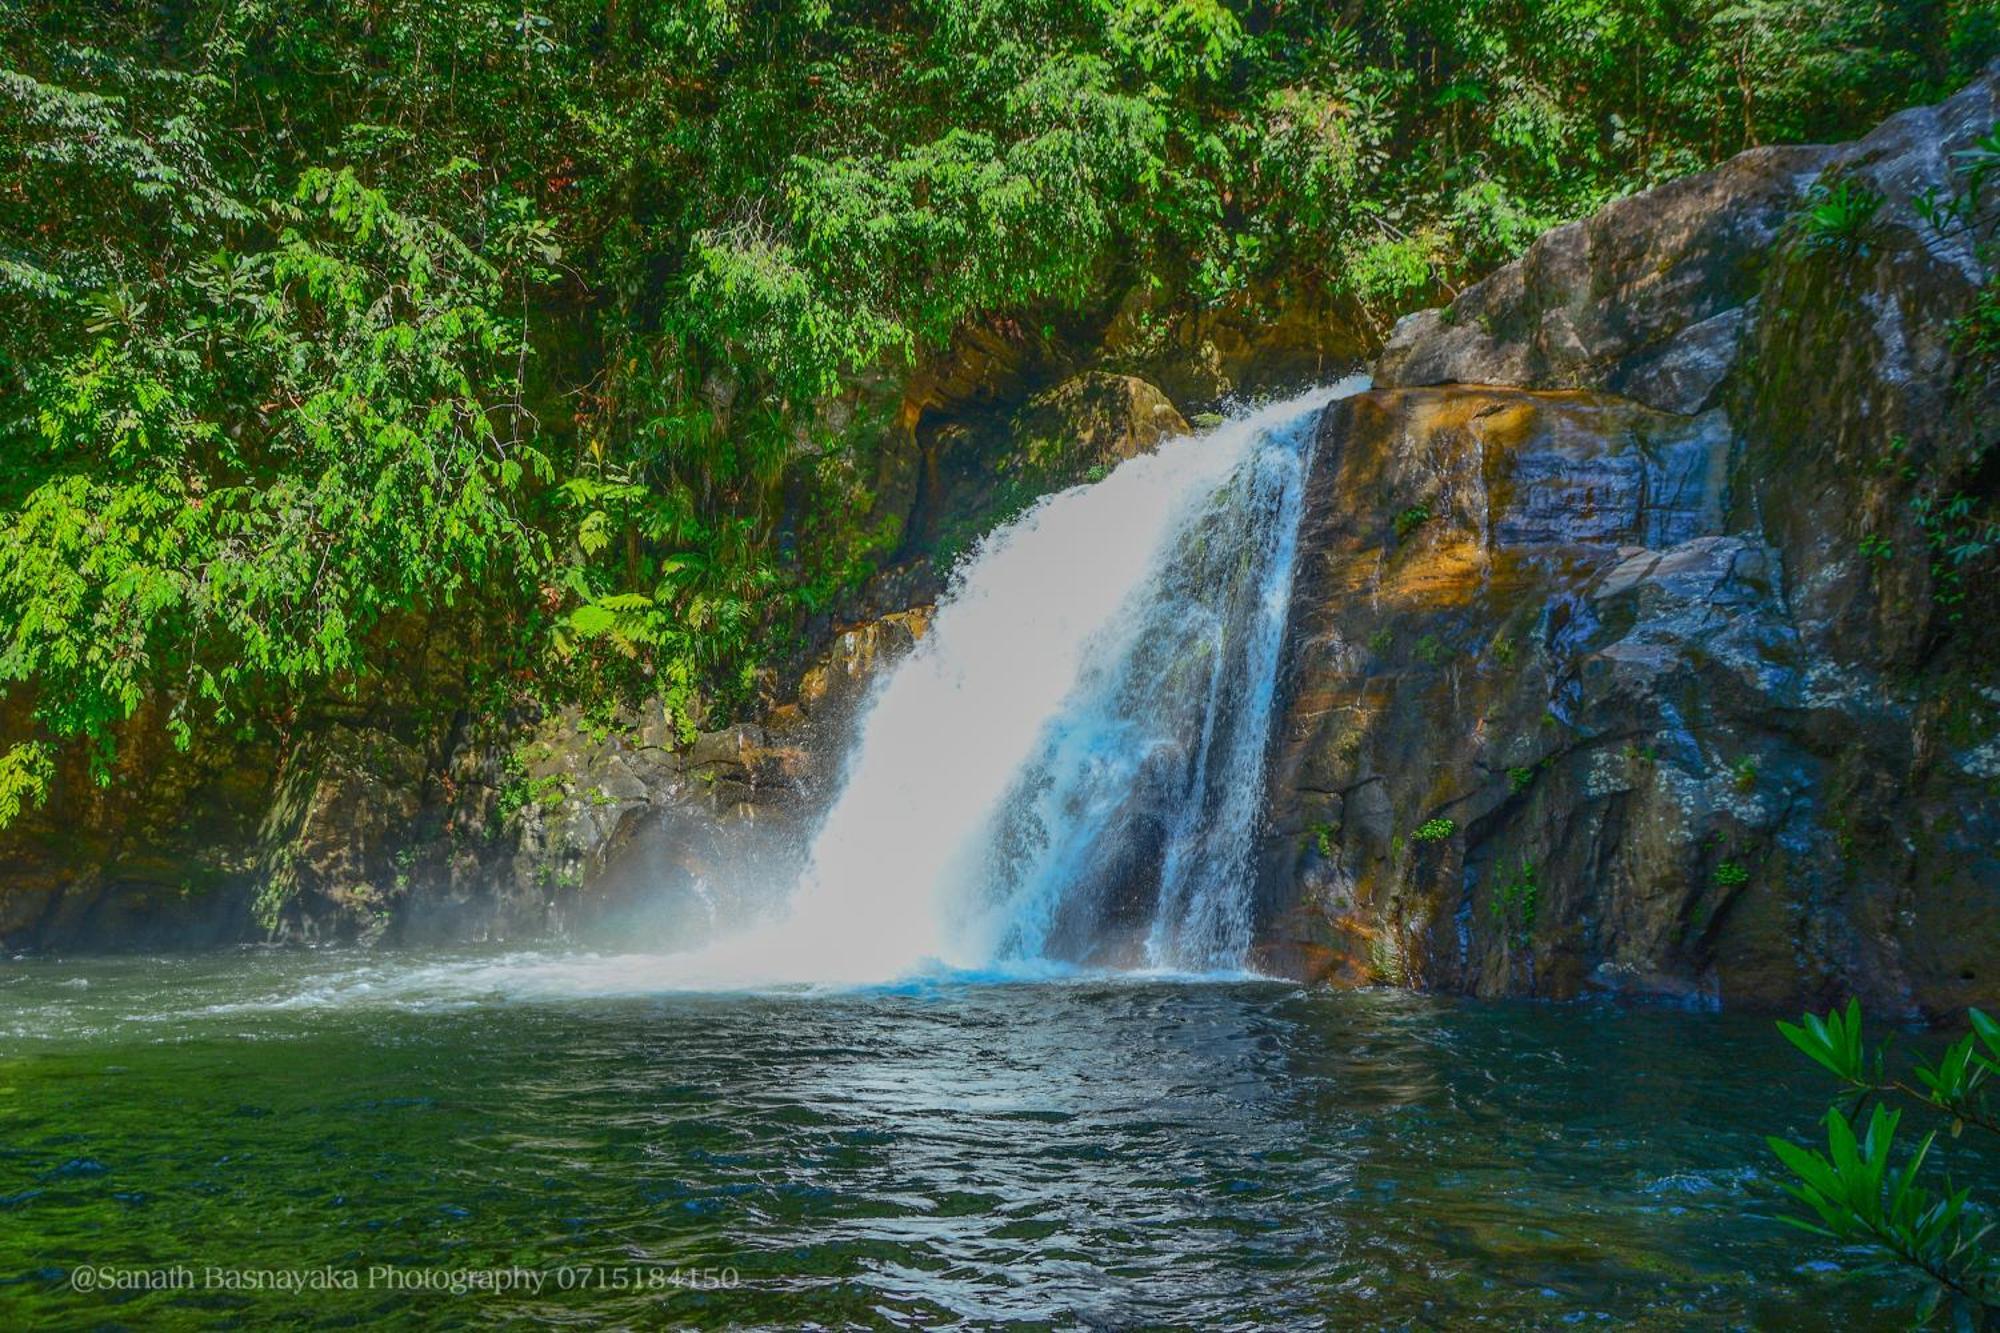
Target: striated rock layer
[{"x": 1634, "y": 650}]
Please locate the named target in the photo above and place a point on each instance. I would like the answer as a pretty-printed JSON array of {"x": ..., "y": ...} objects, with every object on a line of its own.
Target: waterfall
[{"x": 1069, "y": 768}]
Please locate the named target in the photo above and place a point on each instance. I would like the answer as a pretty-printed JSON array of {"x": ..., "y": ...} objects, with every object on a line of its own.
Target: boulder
[
  {"x": 1274, "y": 337},
  {"x": 1652, "y": 296},
  {"x": 1633, "y": 648}
]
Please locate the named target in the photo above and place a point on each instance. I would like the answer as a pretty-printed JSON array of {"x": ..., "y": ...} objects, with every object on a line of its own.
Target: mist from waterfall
[{"x": 1069, "y": 768}]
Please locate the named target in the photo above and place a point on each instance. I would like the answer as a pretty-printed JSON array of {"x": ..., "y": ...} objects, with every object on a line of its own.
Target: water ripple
[{"x": 1091, "y": 1152}]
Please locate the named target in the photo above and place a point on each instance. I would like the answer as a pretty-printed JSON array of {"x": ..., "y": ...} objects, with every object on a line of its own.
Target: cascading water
[{"x": 1069, "y": 767}]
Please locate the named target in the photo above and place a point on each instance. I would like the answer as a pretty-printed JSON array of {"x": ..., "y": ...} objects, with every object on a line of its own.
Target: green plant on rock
[
  {"x": 1839, "y": 219},
  {"x": 1433, "y": 650},
  {"x": 1409, "y": 520},
  {"x": 1516, "y": 901},
  {"x": 1435, "y": 830},
  {"x": 1862, "y": 1192},
  {"x": 1895, "y": 456},
  {"x": 518, "y": 790},
  {"x": 1731, "y": 875},
  {"x": 1743, "y": 777},
  {"x": 1520, "y": 779},
  {"x": 1965, "y": 210},
  {"x": 1958, "y": 531},
  {"x": 1320, "y": 837}
]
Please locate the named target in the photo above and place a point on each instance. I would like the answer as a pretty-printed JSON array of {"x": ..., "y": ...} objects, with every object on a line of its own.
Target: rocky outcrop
[
  {"x": 983, "y": 427},
  {"x": 148, "y": 856},
  {"x": 511, "y": 827},
  {"x": 1630, "y": 651}
]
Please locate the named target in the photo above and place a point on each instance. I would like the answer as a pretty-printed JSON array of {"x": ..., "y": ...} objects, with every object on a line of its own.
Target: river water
[{"x": 1083, "y": 1151}]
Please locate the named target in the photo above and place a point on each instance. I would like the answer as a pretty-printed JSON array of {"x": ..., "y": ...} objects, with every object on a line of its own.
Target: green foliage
[
  {"x": 245, "y": 440},
  {"x": 1839, "y": 219},
  {"x": 1516, "y": 901},
  {"x": 1731, "y": 875},
  {"x": 1320, "y": 836},
  {"x": 1967, "y": 211},
  {"x": 1959, "y": 530},
  {"x": 1409, "y": 520},
  {"x": 25, "y": 771},
  {"x": 1391, "y": 273},
  {"x": 1435, "y": 830},
  {"x": 1520, "y": 779},
  {"x": 1743, "y": 777},
  {"x": 1858, "y": 1195},
  {"x": 571, "y": 336},
  {"x": 519, "y": 791},
  {"x": 1833, "y": 1041}
]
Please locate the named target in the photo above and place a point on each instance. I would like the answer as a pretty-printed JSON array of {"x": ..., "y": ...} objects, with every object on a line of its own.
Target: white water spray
[{"x": 1069, "y": 767}]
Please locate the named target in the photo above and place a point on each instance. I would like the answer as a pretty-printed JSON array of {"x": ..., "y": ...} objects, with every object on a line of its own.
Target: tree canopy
[{"x": 317, "y": 316}]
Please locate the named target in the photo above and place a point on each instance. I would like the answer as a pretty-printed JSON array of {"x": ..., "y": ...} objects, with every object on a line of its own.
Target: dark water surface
[{"x": 1084, "y": 1153}]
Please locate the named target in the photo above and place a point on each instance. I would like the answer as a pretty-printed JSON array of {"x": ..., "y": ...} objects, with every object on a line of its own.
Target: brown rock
[{"x": 1675, "y": 655}]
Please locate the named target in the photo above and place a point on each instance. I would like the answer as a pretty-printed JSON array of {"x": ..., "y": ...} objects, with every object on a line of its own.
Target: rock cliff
[{"x": 1647, "y": 639}]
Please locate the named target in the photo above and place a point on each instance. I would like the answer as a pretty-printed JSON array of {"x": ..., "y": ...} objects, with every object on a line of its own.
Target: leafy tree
[{"x": 584, "y": 320}]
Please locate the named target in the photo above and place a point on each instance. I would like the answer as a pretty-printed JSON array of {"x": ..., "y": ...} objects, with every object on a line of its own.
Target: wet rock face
[
  {"x": 1622, "y": 658},
  {"x": 562, "y": 827},
  {"x": 1515, "y": 612},
  {"x": 147, "y": 859},
  {"x": 984, "y": 468},
  {"x": 1275, "y": 337}
]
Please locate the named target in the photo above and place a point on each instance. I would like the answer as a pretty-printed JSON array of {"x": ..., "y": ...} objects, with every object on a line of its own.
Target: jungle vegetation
[{"x": 549, "y": 325}]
